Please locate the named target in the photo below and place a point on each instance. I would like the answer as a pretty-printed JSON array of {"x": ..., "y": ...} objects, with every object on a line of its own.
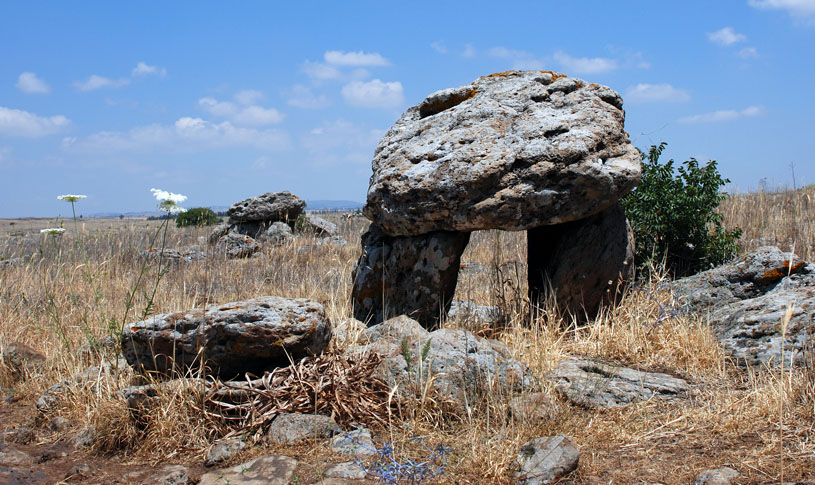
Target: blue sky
[{"x": 221, "y": 101}]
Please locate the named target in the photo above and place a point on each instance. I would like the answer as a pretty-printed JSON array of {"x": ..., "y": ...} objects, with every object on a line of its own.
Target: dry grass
[{"x": 759, "y": 423}]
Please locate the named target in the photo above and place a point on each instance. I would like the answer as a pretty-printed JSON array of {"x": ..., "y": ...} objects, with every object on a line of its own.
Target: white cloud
[
  {"x": 249, "y": 97},
  {"x": 15, "y": 122},
  {"x": 747, "y": 53},
  {"x": 469, "y": 51},
  {"x": 341, "y": 142},
  {"x": 519, "y": 59},
  {"x": 144, "y": 69},
  {"x": 301, "y": 96},
  {"x": 796, "y": 8},
  {"x": 320, "y": 71},
  {"x": 723, "y": 115},
  {"x": 373, "y": 94},
  {"x": 439, "y": 47},
  {"x": 585, "y": 65},
  {"x": 358, "y": 59},
  {"x": 187, "y": 134},
  {"x": 654, "y": 93},
  {"x": 240, "y": 114},
  {"x": 726, "y": 36},
  {"x": 28, "y": 82},
  {"x": 97, "y": 82}
]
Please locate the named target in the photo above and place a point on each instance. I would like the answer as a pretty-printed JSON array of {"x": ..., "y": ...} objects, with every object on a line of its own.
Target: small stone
[
  {"x": 221, "y": 451},
  {"x": 84, "y": 438},
  {"x": 288, "y": 428},
  {"x": 237, "y": 246},
  {"x": 357, "y": 443},
  {"x": 21, "y": 436},
  {"x": 268, "y": 470},
  {"x": 58, "y": 424},
  {"x": 12, "y": 457},
  {"x": 718, "y": 476},
  {"x": 20, "y": 359},
  {"x": 348, "y": 469},
  {"x": 547, "y": 459},
  {"x": 80, "y": 470},
  {"x": 170, "y": 475}
]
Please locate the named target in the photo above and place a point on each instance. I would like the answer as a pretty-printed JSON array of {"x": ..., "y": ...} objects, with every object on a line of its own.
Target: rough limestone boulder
[
  {"x": 235, "y": 245},
  {"x": 546, "y": 460},
  {"x": 277, "y": 234},
  {"x": 268, "y": 207},
  {"x": 415, "y": 274},
  {"x": 512, "y": 151},
  {"x": 759, "y": 306},
  {"x": 461, "y": 366},
  {"x": 585, "y": 263},
  {"x": 317, "y": 226},
  {"x": 245, "y": 336}
]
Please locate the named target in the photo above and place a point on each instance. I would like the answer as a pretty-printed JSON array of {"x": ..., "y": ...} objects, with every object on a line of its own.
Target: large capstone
[
  {"x": 415, "y": 276},
  {"x": 269, "y": 207},
  {"x": 512, "y": 151},
  {"x": 231, "y": 339},
  {"x": 582, "y": 264}
]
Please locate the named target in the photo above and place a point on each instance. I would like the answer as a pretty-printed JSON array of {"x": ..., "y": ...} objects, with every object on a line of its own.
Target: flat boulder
[
  {"x": 511, "y": 151},
  {"x": 269, "y": 207},
  {"x": 231, "y": 339}
]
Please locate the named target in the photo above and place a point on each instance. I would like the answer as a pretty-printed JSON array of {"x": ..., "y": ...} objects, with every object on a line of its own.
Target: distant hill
[{"x": 332, "y": 205}]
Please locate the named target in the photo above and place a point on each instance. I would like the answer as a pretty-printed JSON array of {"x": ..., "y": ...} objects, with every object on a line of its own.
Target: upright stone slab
[
  {"x": 512, "y": 151},
  {"x": 415, "y": 276},
  {"x": 585, "y": 262}
]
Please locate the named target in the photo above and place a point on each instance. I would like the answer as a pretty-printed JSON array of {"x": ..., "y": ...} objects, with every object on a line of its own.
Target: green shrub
[
  {"x": 674, "y": 216},
  {"x": 199, "y": 216}
]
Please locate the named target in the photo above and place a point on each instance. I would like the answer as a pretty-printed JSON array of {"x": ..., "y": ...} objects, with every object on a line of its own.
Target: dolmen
[{"x": 533, "y": 151}]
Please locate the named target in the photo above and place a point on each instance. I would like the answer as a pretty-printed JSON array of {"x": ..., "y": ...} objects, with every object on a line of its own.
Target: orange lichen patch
[
  {"x": 432, "y": 157},
  {"x": 502, "y": 74},
  {"x": 593, "y": 85},
  {"x": 225, "y": 308},
  {"x": 776, "y": 274}
]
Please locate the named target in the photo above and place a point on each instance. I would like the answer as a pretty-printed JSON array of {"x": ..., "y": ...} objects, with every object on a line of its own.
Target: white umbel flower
[
  {"x": 72, "y": 197},
  {"x": 53, "y": 230},
  {"x": 168, "y": 201}
]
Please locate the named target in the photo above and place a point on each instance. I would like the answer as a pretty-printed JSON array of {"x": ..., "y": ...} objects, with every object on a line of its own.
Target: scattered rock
[
  {"x": 84, "y": 438},
  {"x": 546, "y": 460},
  {"x": 223, "y": 450},
  {"x": 12, "y": 457},
  {"x": 268, "y": 207},
  {"x": 461, "y": 365},
  {"x": 510, "y": 151},
  {"x": 357, "y": 443},
  {"x": 181, "y": 255},
  {"x": 21, "y": 436},
  {"x": 599, "y": 385},
  {"x": 586, "y": 263},
  {"x": 317, "y": 226},
  {"x": 234, "y": 338},
  {"x": 467, "y": 311},
  {"x": 80, "y": 470},
  {"x": 747, "y": 301},
  {"x": 414, "y": 276},
  {"x": 718, "y": 476},
  {"x": 220, "y": 231},
  {"x": 348, "y": 469},
  {"x": 58, "y": 424},
  {"x": 268, "y": 470},
  {"x": 236, "y": 245},
  {"x": 288, "y": 428},
  {"x": 171, "y": 475},
  {"x": 534, "y": 408},
  {"x": 90, "y": 378},
  {"x": 19, "y": 358},
  {"x": 277, "y": 234}
]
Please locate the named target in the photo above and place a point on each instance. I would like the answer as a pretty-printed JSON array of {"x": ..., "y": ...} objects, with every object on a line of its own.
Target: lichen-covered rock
[
  {"x": 317, "y": 226},
  {"x": 511, "y": 151},
  {"x": 461, "y": 366},
  {"x": 277, "y": 234},
  {"x": 288, "y": 428},
  {"x": 268, "y": 207},
  {"x": 546, "y": 460},
  {"x": 414, "y": 276},
  {"x": 465, "y": 311},
  {"x": 599, "y": 385},
  {"x": 186, "y": 254},
  {"x": 585, "y": 263},
  {"x": 236, "y": 245},
  {"x": 266, "y": 470},
  {"x": 244, "y": 336}
]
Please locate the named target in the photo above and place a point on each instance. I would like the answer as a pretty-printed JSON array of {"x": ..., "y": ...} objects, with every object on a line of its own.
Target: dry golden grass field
[{"x": 74, "y": 290}]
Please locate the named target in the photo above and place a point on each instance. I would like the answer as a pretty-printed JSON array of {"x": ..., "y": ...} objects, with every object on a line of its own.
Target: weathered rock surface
[
  {"x": 546, "y": 460},
  {"x": 181, "y": 255},
  {"x": 511, "y": 151},
  {"x": 748, "y": 300},
  {"x": 461, "y": 365},
  {"x": 357, "y": 443},
  {"x": 348, "y": 469},
  {"x": 268, "y": 207},
  {"x": 245, "y": 336},
  {"x": 467, "y": 311},
  {"x": 585, "y": 263},
  {"x": 415, "y": 276},
  {"x": 236, "y": 245},
  {"x": 20, "y": 358},
  {"x": 267, "y": 470},
  {"x": 288, "y": 428},
  {"x": 717, "y": 476},
  {"x": 318, "y": 226},
  {"x": 223, "y": 450},
  {"x": 599, "y": 385},
  {"x": 171, "y": 475},
  {"x": 277, "y": 234}
]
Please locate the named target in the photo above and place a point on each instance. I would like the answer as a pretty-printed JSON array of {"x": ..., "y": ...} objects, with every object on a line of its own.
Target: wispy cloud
[
  {"x": 469, "y": 51},
  {"x": 341, "y": 142},
  {"x": 439, "y": 47},
  {"x": 301, "y": 96},
  {"x": 144, "y": 69},
  {"x": 95, "y": 82},
  {"x": 723, "y": 115},
  {"x": 726, "y": 36},
  {"x": 655, "y": 93},
  {"x": 188, "y": 135},
  {"x": 28, "y": 82},
  {"x": 356, "y": 59},
  {"x": 518, "y": 59},
  {"x": 373, "y": 94},
  {"x": 16, "y": 122},
  {"x": 242, "y": 111},
  {"x": 798, "y": 9},
  {"x": 585, "y": 65},
  {"x": 747, "y": 53}
]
